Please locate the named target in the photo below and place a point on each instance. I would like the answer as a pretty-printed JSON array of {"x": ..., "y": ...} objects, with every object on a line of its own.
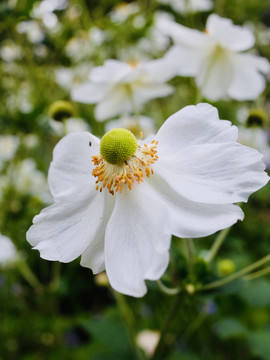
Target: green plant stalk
[
  {"x": 165, "y": 328},
  {"x": 129, "y": 320},
  {"x": 236, "y": 275},
  {"x": 217, "y": 244},
  {"x": 29, "y": 276},
  {"x": 190, "y": 252},
  {"x": 258, "y": 274},
  {"x": 166, "y": 290}
]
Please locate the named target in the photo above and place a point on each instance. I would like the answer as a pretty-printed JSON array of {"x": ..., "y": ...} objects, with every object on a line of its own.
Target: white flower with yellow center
[
  {"x": 121, "y": 88},
  {"x": 216, "y": 59},
  {"x": 119, "y": 200}
]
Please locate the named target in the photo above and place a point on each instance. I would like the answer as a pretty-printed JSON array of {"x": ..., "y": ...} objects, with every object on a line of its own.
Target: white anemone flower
[
  {"x": 188, "y": 6},
  {"x": 216, "y": 59},
  {"x": 8, "y": 253},
  {"x": 117, "y": 87},
  {"x": 119, "y": 210}
]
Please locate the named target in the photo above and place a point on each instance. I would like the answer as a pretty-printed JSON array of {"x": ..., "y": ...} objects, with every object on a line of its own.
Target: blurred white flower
[
  {"x": 69, "y": 125},
  {"x": 148, "y": 340},
  {"x": 131, "y": 123},
  {"x": 8, "y": 146},
  {"x": 119, "y": 87},
  {"x": 79, "y": 48},
  {"x": 118, "y": 212},
  {"x": 216, "y": 60},
  {"x": 70, "y": 77},
  {"x": 257, "y": 138},
  {"x": 8, "y": 251},
  {"x": 27, "y": 179},
  {"x": 123, "y": 11},
  {"x": 9, "y": 51},
  {"x": 44, "y": 10},
  {"x": 189, "y": 6},
  {"x": 32, "y": 29}
]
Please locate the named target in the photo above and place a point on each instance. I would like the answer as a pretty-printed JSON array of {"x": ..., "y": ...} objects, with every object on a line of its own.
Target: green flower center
[{"x": 117, "y": 146}]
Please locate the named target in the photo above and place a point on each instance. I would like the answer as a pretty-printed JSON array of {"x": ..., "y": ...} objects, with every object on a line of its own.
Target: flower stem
[
  {"x": 128, "y": 319},
  {"x": 54, "y": 285},
  {"x": 166, "y": 290},
  {"x": 190, "y": 252},
  {"x": 217, "y": 244},
  {"x": 258, "y": 274},
  {"x": 236, "y": 275},
  {"x": 29, "y": 276},
  {"x": 158, "y": 354}
]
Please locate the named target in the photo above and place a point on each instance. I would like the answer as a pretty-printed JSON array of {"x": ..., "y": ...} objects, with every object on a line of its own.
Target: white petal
[
  {"x": 191, "y": 126},
  {"x": 214, "y": 173},
  {"x": 248, "y": 83},
  {"x": 183, "y": 35},
  {"x": 215, "y": 74},
  {"x": 89, "y": 93},
  {"x": 185, "y": 61},
  {"x": 93, "y": 257},
  {"x": 137, "y": 240},
  {"x": 112, "y": 72},
  {"x": 64, "y": 230},
  {"x": 146, "y": 92},
  {"x": 194, "y": 219},
  {"x": 235, "y": 38},
  {"x": 72, "y": 163},
  {"x": 116, "y": 102}
]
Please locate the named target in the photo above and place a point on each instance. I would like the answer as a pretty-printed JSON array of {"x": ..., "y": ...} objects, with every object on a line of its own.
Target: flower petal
[
  {"x": 183, "y": 35},
  {"x": 89, "y": 93},
  {"x": 137, "y": 240},
  {"x": 215, "y": 74},
  {"x": 214, "y": 173},
  {"x": 194, "y": 219},
  {"x": 248, "y": 83},
  {"x": 93, "y": 256},
  {"x": 193, "y": 125},
  {"x": 116, "y": 102},
  {"x": 65, "y": 229},
  {"x": 146, "y": 92},
  {"x": 72, "y": 163},
  {"x": 233, "y": 37}
]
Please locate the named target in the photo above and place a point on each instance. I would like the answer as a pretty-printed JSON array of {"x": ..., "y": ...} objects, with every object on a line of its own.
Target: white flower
[
  {"x": 69, "y": 125},
  {"x": 8, "y": 147},
  {"x": 148, "y": 340},
  {"x": 257, "y": 138},
  {"x": 117, "y": 86},
  {"x": 131, "y": 123},
  {"x": 119, "y": 210},
  {"x": 8, "y": 253},
  {"x": 189, "y": 6},
  {"x": 216, "y": 60},
  {"x": 123, "y": 11}
]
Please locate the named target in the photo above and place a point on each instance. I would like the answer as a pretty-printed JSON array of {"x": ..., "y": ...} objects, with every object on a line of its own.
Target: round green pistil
[{"x": 117, "y": 146}]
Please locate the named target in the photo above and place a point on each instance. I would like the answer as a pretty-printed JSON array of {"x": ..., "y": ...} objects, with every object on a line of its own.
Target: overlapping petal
[
  {"x": 193, "y": 125},
  {"x": 228, "y": 35},
  {"x": 137, "y": 240},
  {"x": 191, "y": 218},
  {"x": 65, "y": 229},
  {"x": 72, "y": 165}
]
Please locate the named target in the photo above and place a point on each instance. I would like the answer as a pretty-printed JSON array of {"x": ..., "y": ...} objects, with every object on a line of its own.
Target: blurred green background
[{"x": 63, "y": 311}]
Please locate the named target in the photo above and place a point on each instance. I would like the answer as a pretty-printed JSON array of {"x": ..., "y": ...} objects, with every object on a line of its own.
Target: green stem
[
  {"x": 129, "y": 320},
  {"x": 29, "y": 276},
  {"x": 217, "y": 244},
  {"x": 194, "y": 326},
  {"x": 158, "y": 354},
  {"x": 54, "y": 285},
  {"x": 258, "y": 274},
  {"x": 190, "y": 252},
  {"x": 166, "y": 290},
  {"x": 236, "y": 275}
]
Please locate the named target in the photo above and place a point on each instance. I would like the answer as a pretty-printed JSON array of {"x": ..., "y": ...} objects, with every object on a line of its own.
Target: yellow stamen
[{"x": 115, "y": 176}]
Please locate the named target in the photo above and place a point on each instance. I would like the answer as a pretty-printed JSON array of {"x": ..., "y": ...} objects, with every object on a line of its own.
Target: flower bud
[
  {"x": 61, "y": 110},
  {"x": 101, "y": 279},
  {"x": 256, "y": 118},
  {"x": 225, "y": 267}
]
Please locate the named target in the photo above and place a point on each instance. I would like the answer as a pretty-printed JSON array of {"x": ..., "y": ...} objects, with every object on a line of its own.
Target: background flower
[{"x": 216, "y": 60}]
